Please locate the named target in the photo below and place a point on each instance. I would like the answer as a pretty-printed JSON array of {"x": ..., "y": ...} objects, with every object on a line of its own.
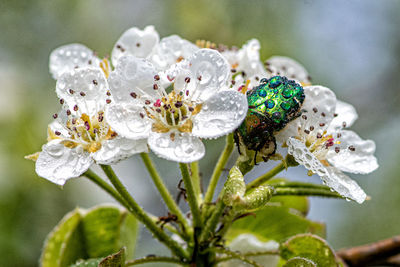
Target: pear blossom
[
  {"x": 245, "y": 63},
  {"x": 285, "y": 66},
  {"x": 135, "y": 42},
  {"x": 80, "y": 135},
  {"x": 173, "y": 120},
  {"x": 318, "y": 141}
]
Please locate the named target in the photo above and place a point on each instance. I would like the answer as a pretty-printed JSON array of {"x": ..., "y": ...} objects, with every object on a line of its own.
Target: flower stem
[
  {"x": 191, "y": 196},
  {"x": 323, "y": 191},
  {"x": 213, "y": 221},
  {"x": 169, "y": 201},
  {"x": 105, "y": 186},
  {"x": 141, "y": 215},
  {"x": 223, "y": 159},
  {"x": 194, "y": 167},
  {"x": 154, "y": 259},
  {"x": 266, "y": 176}
]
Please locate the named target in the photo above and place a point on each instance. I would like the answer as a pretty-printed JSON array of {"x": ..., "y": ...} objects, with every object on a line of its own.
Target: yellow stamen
[
  {"x": 105, "y": 66},
  {"x": 33, "y": 156},
  {"x": 186, "y": 127}
]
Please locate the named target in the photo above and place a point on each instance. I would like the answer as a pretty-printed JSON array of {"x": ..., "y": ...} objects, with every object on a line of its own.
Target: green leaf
[
  {"x": 64, "y": 245},
  {"x": 299, "y": 203},
  {"x": 86, "y": 234},
  {"x": 310, "y": 247},
  {"x": 87, "y": 263},
  {"x": 114, "y": 260},
  {"x": 106, "y": 229},
  {"x": 274, "y": 223},
  {"x": 299, "y": 262}
]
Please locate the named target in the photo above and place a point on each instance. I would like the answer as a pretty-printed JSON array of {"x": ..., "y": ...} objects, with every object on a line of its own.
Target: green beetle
[{"x": 272, "y": 104}]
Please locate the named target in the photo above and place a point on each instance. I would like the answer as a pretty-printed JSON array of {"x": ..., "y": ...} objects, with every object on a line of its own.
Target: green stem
[
  {"x": 141, "y": 215},
  {"x": 106, "y": 187},
  {"x": 168, "y": 199},
  {"x": 223, "y": 159},
  {"x": 298, "y": 184},
  {"x": 234, "y": 255},
  {"x": 154, "y": 259},
  {"x": 191, "y": 196},
  {"x": 194, "y": 167},
  {"x": 213, "y": 221},
  {"x": 299, "y": 191},
  {"x": 266, "y": 176}
]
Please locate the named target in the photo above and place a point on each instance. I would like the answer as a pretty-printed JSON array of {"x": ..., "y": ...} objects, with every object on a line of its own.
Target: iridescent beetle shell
[{"x": 272, "y": 104}]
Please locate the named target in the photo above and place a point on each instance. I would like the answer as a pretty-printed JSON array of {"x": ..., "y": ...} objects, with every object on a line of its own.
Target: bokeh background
[{"x": 351, "y": 46}]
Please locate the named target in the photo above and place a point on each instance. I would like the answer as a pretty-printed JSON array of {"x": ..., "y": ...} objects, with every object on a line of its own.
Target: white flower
[
  {"x": 285, "y": 66},
  {"x": 317, "y": 141},
  {"x": 246, "y": 64},
  {"x": 80, "y": 134},
  {"x": 199, "y": 105},
  {"x": 134, "y": 42},
  {"x": 248, "y": 243}
]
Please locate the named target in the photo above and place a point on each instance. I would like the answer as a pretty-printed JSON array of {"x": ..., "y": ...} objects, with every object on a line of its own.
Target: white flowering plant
[{"x": 166, "y": 96}]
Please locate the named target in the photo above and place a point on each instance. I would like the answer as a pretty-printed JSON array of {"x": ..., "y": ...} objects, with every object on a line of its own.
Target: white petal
[
  {"x": 247, "y": 243},
  {"x": 176, "y": 146},
  {"x": 318, "y": 106},
  {"x": 304, "y": 157},
  {"x": 361, "y": 160},
  {"x": 249, "y": 61},
  {"x": 86, "y": 88},
  {"x": 346, "y": 116},
  {"x": 58, "y": 163},
  {"x": 127, "y": 120},
  {"x": 69, "y": 57},
  {"x": 132, "y": 75},
  {"x": 119, "y": 148},
  {"x": 331, "y": 176},
  {"x": 171, "y": 50},
  {"x": 59, "y": 126},
  {"x": 220, "y": 114},
  {"x": 208, "y": 72},
  {"x": 135, "y": 42},
  {"x": 344, "y": 185},
  {"x": 288, "y": 67}
]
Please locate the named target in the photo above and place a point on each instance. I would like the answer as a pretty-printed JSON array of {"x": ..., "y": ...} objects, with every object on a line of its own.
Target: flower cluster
[{"x": 169, "y": 94}]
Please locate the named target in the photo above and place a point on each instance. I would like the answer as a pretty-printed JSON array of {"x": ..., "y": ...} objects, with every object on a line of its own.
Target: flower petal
[
  {"x": 69, "y": 57},
  {"x": 303, "y": 156},
  {"x": 58, "y": 163},
  {"x": 220, "y": 114},
  {"x": 331, "y": 176},
  {"x": 344, "y": 185},
  {"x": 345, "y": 114},
  {"x": 361, "y": 160},
  {"x": 119, "y": 148},
  {"x": 285, "y": 66},
  {"x": 171, "y": 50},
  {"x": 84, "y": 88},
  {"x": 128, "y": 120},
  {"x": 132, "y": 75},
  {"x": 208, "y": 72},
  {"x": 247, "y": 243},
  {"x": 135, "y": 42},
  {"x": 176, "y": 146},
  {"x": 318, "y": 107}
]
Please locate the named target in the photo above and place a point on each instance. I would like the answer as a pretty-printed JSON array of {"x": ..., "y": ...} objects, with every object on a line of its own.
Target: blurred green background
[{"x": 353, "y": 47}]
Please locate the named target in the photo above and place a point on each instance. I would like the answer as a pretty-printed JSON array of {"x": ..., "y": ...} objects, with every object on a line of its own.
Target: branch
[{"x": 374, "y": 253}]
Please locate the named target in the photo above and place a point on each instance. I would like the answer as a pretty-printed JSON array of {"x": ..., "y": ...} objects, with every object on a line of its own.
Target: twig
[{"x": 372, "y": 254}]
